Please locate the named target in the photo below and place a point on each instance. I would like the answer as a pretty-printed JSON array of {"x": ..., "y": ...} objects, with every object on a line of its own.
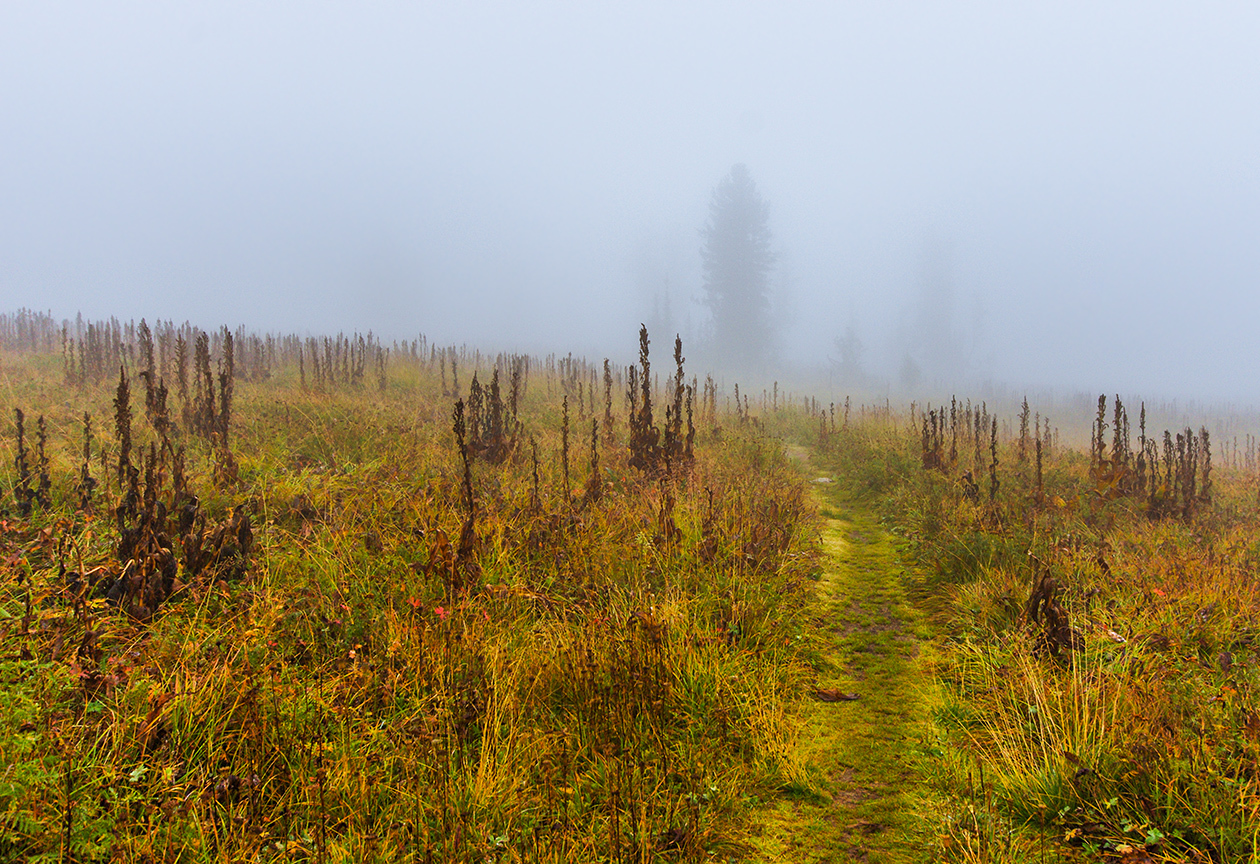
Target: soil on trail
[{"x": 865, "y": 798}]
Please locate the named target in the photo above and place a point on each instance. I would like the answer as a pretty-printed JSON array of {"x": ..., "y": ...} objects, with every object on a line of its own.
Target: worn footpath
[{"x": 865, "y": 799}]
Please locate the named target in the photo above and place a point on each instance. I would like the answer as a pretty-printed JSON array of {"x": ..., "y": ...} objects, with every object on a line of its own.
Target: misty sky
[{"x": 1059, "y": 193}]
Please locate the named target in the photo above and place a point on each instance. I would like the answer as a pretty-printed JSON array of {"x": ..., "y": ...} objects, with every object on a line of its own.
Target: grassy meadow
[
  {"x": 291, "y": 618},
  {"x": 1097, "y": 617},
  {"x": 270, "y": 598}
]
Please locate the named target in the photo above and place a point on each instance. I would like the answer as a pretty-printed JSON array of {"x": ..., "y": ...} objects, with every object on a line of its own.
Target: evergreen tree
[{"x": 737, "y": 260}]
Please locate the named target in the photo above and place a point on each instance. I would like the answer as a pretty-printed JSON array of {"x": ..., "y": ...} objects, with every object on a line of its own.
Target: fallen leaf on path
[{"x": 834, "y": 695}]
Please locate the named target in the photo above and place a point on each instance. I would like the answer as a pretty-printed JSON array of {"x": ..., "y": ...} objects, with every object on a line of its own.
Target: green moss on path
[{"x": 867, "y": 799}]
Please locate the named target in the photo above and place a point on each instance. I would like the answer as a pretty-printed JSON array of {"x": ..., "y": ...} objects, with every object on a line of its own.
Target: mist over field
[{"x": 1048, "y": 196}]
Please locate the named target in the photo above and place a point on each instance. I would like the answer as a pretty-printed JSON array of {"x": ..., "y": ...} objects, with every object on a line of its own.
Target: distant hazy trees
[
  {"x": 935, "y": 346},
  {"x": 847, "y": 363},
  {"x": 738, "y": 260}
]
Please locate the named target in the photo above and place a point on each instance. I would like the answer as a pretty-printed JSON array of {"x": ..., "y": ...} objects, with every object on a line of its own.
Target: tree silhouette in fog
[{"x": 737, "y": 263}]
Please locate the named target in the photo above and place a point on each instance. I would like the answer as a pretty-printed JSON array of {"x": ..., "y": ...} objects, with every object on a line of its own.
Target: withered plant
[
  {"x": 674, "y": 446},
  {"x": 1022, "y": 452},
  {"x": 1045, "y": 612},
  {"x": 932, "y": 440},
  {"x": 87, "y": 483},
  {"x": 181, "y": 374},
  {"x": 609, "y": 434},
  {"x": 1097, "y": 450},
  {"x": 993, "y": 461},
  {"x": 595, "y": 481},
  {"x": 23, "y": 495},
  {"x": 1040, "y": 493},
  {"x": 43, "y": 488},
  {"x": 148, "y": 373},
  {"x": 645, "y": 448},
  {"x": 953, "y": 429},
  {"x": 458, "y": 566},
  {"x": 564, "y": 446},
  {"x": 518, "y": 386},
  {"x": 122, "y": 426},
  {"x": 492, "y": 434}
]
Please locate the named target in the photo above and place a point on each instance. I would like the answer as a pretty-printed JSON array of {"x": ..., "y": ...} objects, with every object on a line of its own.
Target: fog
[{"x": 1045, "y": 195}]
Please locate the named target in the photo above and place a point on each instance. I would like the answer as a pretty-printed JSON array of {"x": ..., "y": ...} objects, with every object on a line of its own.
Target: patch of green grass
[{"x": 871, "y": 800}]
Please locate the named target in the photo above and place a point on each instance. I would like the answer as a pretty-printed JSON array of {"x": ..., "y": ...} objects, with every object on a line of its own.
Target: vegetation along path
[{"x": 868, "y": 719}]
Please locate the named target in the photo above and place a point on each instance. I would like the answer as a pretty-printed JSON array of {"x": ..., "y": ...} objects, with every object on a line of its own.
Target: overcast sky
[{"x": 1070, "y": 190}]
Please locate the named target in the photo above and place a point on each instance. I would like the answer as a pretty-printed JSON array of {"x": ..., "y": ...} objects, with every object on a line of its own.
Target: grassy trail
[{"x": 867, "y": 723}]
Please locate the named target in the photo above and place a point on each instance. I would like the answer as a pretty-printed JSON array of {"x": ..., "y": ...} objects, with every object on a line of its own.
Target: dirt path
[{"x": 866, "y": 728}]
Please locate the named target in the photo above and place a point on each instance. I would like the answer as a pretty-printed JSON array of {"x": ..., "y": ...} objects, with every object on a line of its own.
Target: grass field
[
  {"x": 1097, "y": 622},
  {"x": 309, "y": 625},
  {"x": 276, "y": 599}
]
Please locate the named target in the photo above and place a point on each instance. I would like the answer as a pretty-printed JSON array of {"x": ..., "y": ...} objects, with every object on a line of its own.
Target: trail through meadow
[{"x": 866, "y": 727}]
